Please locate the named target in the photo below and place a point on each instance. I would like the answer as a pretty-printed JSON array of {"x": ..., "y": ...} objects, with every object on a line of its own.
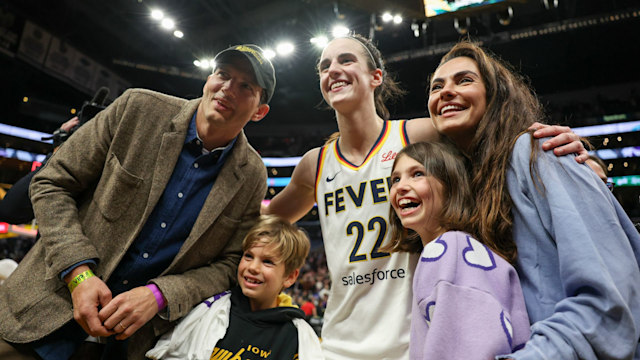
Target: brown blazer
[{"x": 93, "y": 197}]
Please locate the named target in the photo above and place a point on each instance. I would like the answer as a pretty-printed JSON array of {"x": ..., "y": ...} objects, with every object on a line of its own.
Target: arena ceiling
[{"x": 576, "y": 45}]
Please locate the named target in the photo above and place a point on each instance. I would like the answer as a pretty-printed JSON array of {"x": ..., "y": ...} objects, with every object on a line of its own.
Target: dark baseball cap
[{"x": 262, "y": 68}]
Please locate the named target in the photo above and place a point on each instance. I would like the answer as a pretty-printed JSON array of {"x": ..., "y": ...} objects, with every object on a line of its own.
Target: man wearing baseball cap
[
  {"x": 262, "y": 67},
  {"x": 141, "y": 214}
]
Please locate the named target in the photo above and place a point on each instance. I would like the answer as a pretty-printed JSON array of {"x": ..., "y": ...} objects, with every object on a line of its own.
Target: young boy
[{"x": 254, "y": 320}]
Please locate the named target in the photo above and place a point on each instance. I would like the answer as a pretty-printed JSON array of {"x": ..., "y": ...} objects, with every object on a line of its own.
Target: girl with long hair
[{"x": 460, "y": 286}]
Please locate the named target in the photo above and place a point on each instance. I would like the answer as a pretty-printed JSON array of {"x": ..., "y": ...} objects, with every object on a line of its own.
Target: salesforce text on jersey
[{"x": 370, "y": 279}]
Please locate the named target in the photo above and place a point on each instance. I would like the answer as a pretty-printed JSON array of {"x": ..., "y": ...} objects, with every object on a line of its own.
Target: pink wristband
[{"x": 156, "y": 292}]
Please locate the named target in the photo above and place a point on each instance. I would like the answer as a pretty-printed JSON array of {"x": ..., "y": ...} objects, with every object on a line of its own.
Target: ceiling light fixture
[
  {"x": 340, "y": 31},
  {"x": 550, "y": 4},
  {"x": 268, "y": 53},
  {"x": 167, "y": 23},
  {"x": 416, "y": 29},
  {"x": 462, "y": 28},
  {"x": 505, "y": 16},
  {"x": 319, "y": 41},
  {"x": 157, "y": 14},
  {"x": 285, "y": 48}
]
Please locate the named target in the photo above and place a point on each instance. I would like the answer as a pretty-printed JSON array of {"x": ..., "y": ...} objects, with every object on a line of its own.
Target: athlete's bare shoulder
[
  {"x": 309, "y": 161},
  {"x": 421, "y": 129}
]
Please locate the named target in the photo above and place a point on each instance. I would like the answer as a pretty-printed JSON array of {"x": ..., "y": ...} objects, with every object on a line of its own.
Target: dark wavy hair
[
  {"x": 443, "y": 161},
  {"x": 512, "y": 107}
]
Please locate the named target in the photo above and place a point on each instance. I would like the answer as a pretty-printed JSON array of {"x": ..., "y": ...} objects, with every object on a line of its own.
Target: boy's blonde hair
[{"x": 291, "y": 242}]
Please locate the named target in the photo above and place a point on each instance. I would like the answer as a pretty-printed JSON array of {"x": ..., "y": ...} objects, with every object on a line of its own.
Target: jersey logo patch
[
  {"x": 330, "y": 179},
  {"x": 388, "y": 156}
]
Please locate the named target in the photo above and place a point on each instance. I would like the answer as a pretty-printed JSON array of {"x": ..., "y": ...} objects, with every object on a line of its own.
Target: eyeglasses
[{"x": 610, "y": 185}]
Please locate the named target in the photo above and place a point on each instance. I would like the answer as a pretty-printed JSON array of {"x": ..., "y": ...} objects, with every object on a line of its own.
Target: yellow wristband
[{"x": 80, "y": 278}]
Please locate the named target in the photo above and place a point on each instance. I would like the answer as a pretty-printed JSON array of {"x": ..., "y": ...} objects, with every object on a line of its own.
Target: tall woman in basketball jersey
[{"x": 369, "y": 308}]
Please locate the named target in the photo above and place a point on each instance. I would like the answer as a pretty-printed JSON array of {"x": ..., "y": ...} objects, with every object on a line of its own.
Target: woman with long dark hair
[{"x": 575, "y": 249}]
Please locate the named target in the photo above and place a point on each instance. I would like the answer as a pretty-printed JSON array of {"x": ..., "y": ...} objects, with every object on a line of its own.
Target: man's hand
[
  {"x": 129, "y": 311},
  {"x": 564, "y": 140},
  {"x": 70, "y": 124},
  {"x": 87, "y": 297}
]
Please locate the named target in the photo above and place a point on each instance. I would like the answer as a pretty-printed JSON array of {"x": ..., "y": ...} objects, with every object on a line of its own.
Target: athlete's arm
[
  {"x": 421, "y": 129},
  {"x": 563, "y": 140},
  {"x": 298, "y": 197}
]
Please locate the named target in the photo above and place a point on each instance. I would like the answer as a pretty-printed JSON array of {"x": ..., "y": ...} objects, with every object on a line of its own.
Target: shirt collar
[{"x": 196, "y": 145}]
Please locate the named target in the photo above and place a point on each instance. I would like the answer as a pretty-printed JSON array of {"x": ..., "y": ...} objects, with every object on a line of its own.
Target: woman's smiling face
[
  {"x": 344, "y": 72},
  {"x": 457, "y": 100}
]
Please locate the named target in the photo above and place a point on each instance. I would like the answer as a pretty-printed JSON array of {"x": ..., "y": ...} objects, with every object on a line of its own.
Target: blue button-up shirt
[
  {"x": 173, "y": 217},
  {"x": 165, "y": 231}
]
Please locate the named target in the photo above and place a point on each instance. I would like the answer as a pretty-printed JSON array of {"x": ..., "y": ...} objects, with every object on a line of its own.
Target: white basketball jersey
[{"x": 369, "y": 310}]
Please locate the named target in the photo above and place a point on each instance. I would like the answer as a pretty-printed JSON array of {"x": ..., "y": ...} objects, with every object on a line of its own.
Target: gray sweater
[{"x": 578, "y": 256}]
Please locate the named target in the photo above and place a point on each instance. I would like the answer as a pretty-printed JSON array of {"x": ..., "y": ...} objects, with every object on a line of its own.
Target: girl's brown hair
[{"x": 445, "y": 163}]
